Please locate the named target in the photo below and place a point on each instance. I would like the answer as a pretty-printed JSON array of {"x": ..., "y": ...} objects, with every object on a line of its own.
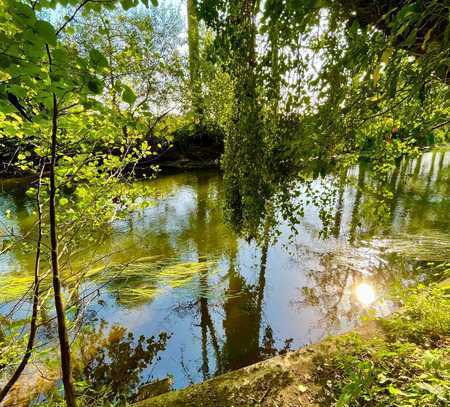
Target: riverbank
[
  {"x": 184, "y": 155},
  {"x": 401, "y": 359}
]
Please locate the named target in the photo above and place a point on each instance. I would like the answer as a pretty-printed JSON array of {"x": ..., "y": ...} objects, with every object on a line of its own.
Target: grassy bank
[{"x": 406, "y": 364}]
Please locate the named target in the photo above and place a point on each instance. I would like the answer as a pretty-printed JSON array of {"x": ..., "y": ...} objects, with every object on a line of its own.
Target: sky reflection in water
[{"x": 227, "y": 303}]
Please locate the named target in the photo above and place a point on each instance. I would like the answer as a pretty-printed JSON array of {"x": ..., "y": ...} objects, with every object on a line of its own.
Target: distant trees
[{"x": 142, "y": 49}]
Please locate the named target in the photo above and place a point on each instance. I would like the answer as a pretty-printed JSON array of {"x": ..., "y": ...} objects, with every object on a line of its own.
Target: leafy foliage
[
  {"x": 85, "y": 90},
  {"x": 325, "y": 82}
]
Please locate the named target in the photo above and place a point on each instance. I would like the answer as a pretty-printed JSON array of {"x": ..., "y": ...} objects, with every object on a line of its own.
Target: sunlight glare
[{"x": 365, "y": 294}]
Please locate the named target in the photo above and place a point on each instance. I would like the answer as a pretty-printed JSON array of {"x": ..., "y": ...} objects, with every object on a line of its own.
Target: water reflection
[
  {"x": 112, "y": 362},
  {"x": 226, "y": 303},
  {"x": 365, "y": 293}
]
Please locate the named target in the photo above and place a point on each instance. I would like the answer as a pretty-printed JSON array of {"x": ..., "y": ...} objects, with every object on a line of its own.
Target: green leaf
[
  {"x": 394, "y": 391},
  {"x": 46, "y": 31},
  {"x": 408, "y": 9},
  {"x": 5, "y": 61},
  {"x": 18, "y": 91},
  {"x": 376, "y": 74},
  {"x": 128, "y": 95},
  {"x": 95, "y": 85},
  {"x": 63, "y": 201},
  {"x": 428, "y": 387},
  {"x": 155, "y": 3},
  {"x": 97, "y": 59},
  {"x": 4, "y": 76},
  {"x": 427, "y": 37},
  {"x": 23, "y": 12},
  {"x": 59, "y": 56},
  {"x": 386, "y": 55},
  {"x": 127, "y": 4}
]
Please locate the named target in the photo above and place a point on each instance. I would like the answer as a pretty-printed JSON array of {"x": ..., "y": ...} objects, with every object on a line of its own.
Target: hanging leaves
[
  {"x": 97, "y": 59},
  {"x": 95, "y": 85},
  {"x": 128, "y": 96},
  {"x": 383, "y": 61}
]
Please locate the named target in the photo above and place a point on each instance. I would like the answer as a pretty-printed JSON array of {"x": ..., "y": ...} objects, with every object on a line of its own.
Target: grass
[{"x": 408, "y": 364}]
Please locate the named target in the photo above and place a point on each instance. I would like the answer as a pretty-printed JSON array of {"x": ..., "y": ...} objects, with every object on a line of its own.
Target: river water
[{"x": 225, "y": 303}]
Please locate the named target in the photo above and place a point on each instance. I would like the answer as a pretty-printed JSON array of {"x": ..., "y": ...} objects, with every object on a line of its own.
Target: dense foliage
[{"x": 326, "y": 81}]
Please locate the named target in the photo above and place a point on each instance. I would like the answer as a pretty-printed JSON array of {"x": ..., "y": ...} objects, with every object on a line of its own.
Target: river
[{"x": 224, "y": 303}]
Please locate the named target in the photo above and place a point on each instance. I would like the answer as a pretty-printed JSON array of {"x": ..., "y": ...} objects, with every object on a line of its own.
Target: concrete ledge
[{"x": 283, "y": 381}]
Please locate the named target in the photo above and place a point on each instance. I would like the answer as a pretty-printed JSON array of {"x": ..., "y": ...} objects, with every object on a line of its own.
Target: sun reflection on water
[{"x": 365, "y": 294}]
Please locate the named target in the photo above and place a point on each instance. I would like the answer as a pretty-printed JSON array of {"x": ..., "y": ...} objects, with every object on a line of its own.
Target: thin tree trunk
[
  {"x": 355, "y": 221},
  {"x": 34, "y": 314},
  {"x": 339, "y": 208},
  {"x": 194, "y": 58},
  {"x": 66, "y": 366},
  {"x": 262, "y": 270}
]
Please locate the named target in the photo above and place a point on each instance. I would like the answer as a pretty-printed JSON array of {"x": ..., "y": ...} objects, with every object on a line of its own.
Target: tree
[
  {"x": 48, "y": 92},
  {"x": 141, "y": 47},
  {"x": 234, "y": 24},
  {"x": 343, "y": 80},
  {"x": 194, "y": 59}
]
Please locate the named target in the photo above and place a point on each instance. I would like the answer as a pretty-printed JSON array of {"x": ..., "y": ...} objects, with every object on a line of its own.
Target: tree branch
[{"x": 34, "y": 315}]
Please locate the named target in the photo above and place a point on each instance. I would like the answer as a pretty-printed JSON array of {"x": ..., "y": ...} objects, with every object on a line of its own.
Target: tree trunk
[
  {"x": 66, "y": 367},
  {"x": 194, "y": 58}
]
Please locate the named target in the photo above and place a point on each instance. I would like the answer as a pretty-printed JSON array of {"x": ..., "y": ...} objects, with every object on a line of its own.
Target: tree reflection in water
[
  {"x": 111, "y": 363},
  {"x": 233, "y": 299},
  {"x": 241, "y": 343},
  {"x": 368, "y": 248}
]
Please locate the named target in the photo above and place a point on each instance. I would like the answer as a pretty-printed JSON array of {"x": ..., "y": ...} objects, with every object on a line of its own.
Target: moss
[{"x": 239, "y": 388}]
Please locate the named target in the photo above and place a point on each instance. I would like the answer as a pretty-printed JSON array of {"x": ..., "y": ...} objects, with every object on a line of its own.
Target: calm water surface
[{"x": 226, "y": 303}]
